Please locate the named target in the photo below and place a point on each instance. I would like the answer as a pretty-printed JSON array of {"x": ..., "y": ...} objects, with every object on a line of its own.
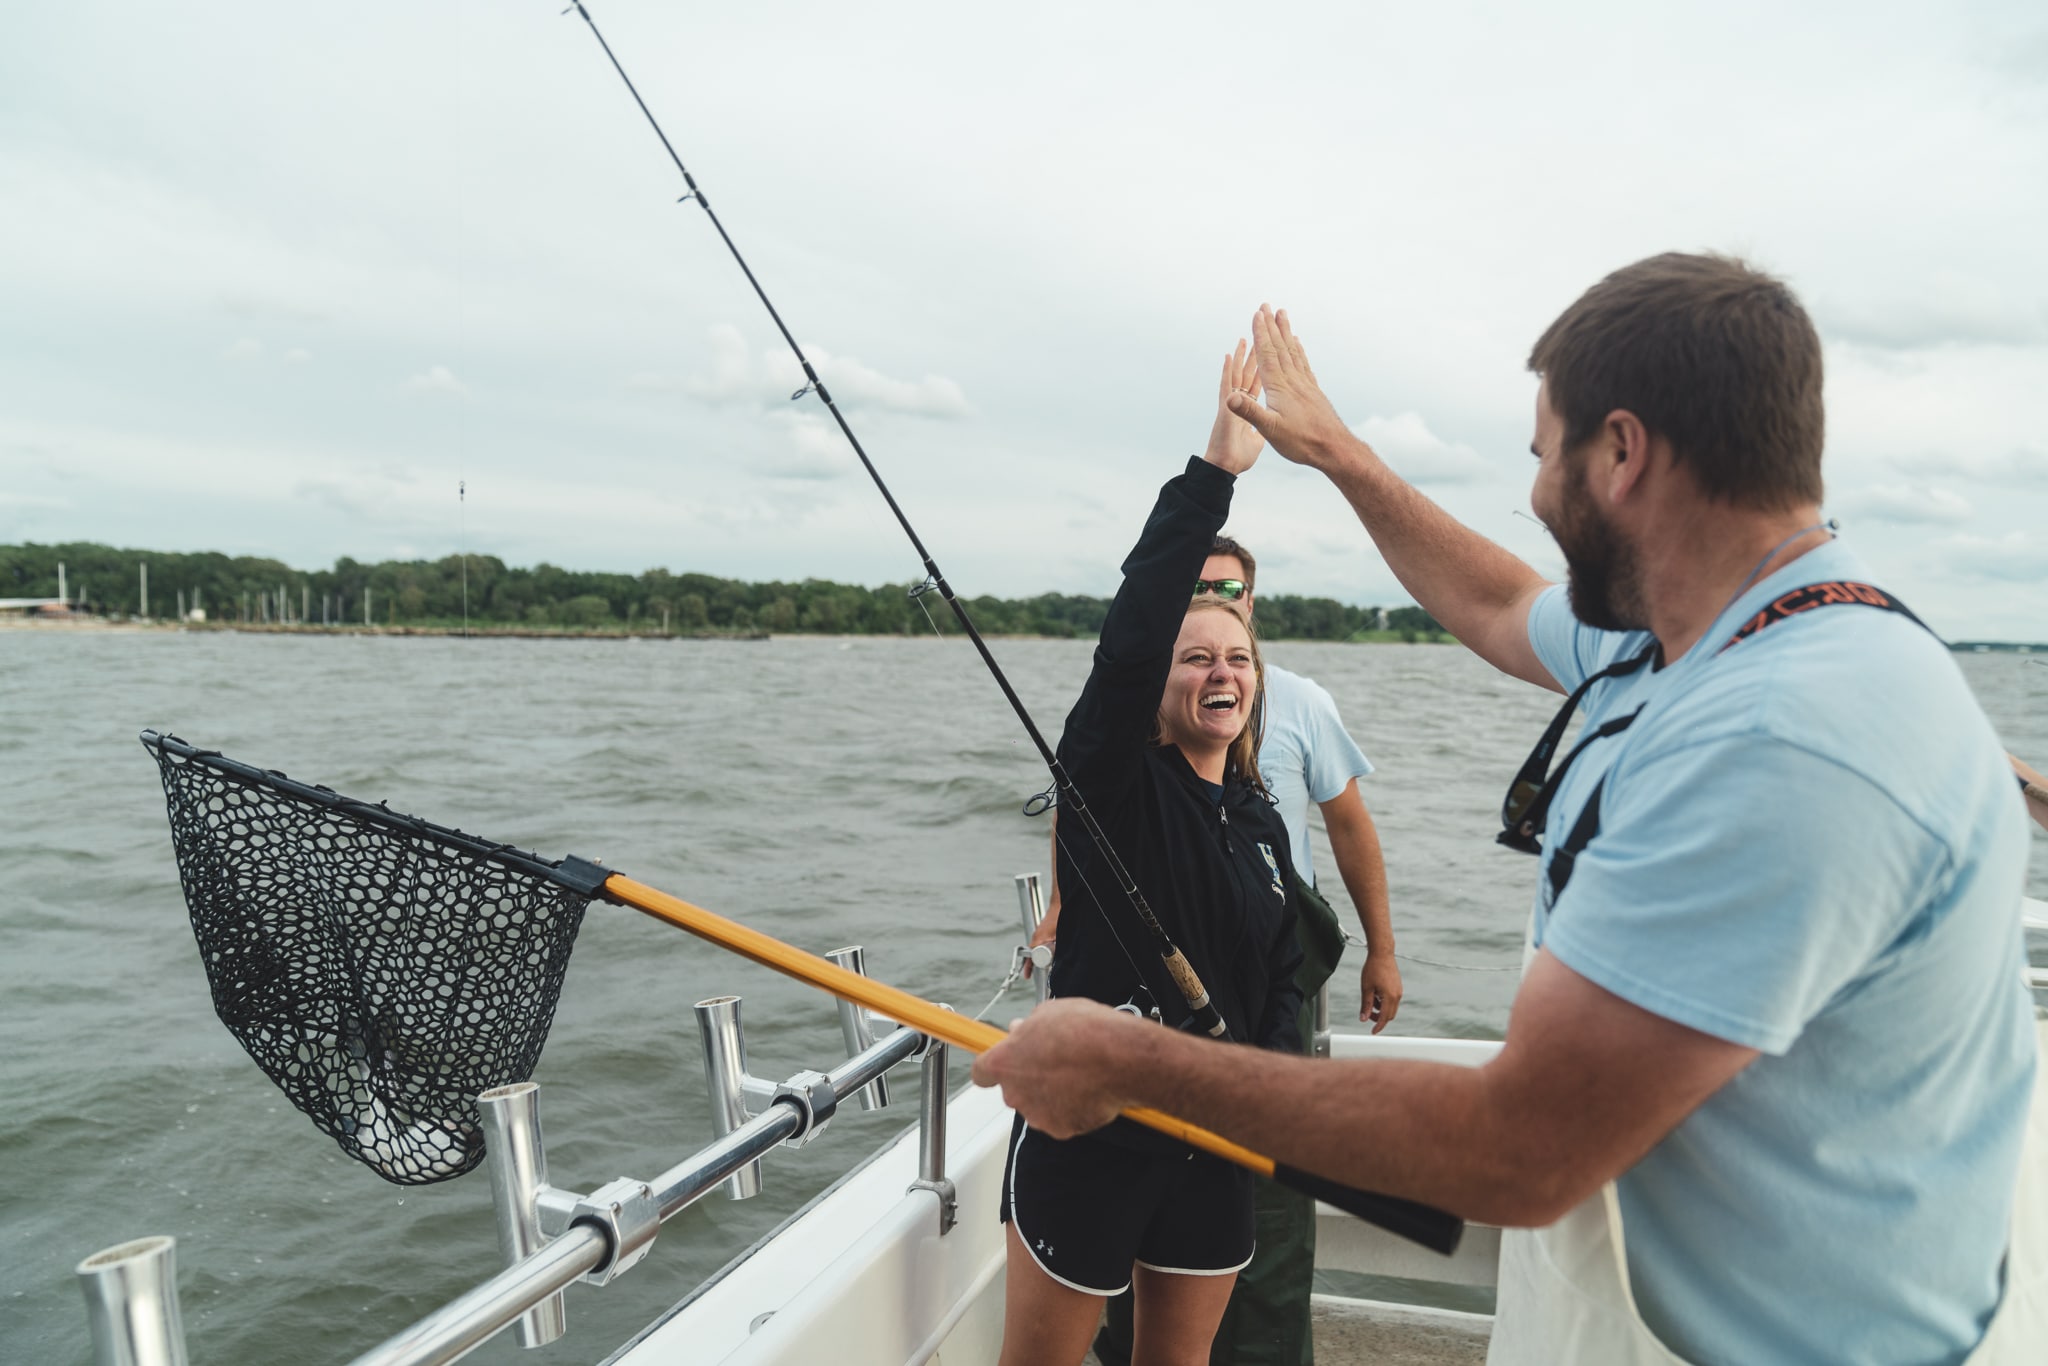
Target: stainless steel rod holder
[
  {"x": 466, "y": 1322},
  {"x": 684, "y": 1184},
  {"x": 1319, "y": 1042},
  {"x": 725, "y": 1070},
  {"x": 518, "y": 1164},
  {"x": 1031, "y": 911},
  {"x": 1030, "y": 903},
  {"x": 596, "y": 1236},
  {"x": 131, "y": 1300},
  {"x": 931, "y": 1137},
  {"x": 856, "y": 1027}
]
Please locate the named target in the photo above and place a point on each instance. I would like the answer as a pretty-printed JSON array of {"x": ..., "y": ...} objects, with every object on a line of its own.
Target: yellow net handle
[{"x": 1433, "y": 1228}]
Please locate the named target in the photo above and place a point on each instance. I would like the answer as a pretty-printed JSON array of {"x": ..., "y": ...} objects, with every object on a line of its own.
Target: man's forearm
[
  {"x": 1355, "y": 842},
  {"x": 1422, "y": 1131},
  {"x": 1476, "y": 588}
]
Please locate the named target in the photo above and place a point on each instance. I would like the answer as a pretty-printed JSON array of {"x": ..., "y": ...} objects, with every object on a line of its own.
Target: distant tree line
[{"x": 242, "y": 589}]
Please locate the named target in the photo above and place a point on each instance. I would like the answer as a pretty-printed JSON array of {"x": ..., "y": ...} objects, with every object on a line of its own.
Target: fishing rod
[{"x": 1206, "y": 1016}]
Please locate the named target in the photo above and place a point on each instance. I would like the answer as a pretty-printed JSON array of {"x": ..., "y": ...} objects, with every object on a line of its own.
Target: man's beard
[{"x": 1603, "y": 580}]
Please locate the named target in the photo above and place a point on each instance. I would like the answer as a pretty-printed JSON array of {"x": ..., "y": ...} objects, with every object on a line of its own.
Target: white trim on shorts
[
  {"x": 1190, "y": 1271},
  {"x": 1017, "y": 1222}
]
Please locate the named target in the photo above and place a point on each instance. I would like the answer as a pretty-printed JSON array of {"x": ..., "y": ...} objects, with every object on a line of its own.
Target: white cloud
[
  {"x": 2014, "y": 557},
  {"x": 252, "y": 351},
  {"x": 438, "y": 382},
  {"x": 1421, "y": 456},
  {"x": 1945, "y": 308},
  {"x": 732, "y": 376},
  {"x": 2022, "y": 465},
  {"x": 816, "y": 451},
  {"x": 343, "y": 223},
  {"x": 1911, "y": 504},
  {"x": 737, "y": 375}
]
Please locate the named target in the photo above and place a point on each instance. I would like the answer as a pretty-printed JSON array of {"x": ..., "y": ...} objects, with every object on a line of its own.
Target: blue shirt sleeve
[
  {"x": 1738, "y": 884},
  {"x": 1334, "y": 758},
  {"x": 1568, "y": 647}
]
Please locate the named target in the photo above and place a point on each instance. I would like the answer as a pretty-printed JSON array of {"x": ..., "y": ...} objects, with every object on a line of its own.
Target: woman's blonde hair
[{"x": 1243, "y": 758}]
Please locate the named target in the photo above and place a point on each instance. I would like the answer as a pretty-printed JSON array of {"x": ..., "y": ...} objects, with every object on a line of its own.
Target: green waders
[{"x": 1267, "y": 1322}]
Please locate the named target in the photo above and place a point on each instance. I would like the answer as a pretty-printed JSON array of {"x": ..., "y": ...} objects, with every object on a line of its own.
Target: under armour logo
[{"x": 1043, "y": 1248}]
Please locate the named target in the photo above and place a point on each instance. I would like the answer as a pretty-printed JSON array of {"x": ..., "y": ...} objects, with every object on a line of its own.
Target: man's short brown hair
[
  {"x": 1713, "y": 355},
  {"x": 1223, "y": 545}
]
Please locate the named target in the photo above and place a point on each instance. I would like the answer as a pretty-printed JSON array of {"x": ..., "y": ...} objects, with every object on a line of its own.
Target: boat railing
[{"x": 552, "y": 1237}]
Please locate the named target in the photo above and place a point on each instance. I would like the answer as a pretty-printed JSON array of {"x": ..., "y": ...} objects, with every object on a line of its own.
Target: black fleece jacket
[{"x": 1216, "y": 877}]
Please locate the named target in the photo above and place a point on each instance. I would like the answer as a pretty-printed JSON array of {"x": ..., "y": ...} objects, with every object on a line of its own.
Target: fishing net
[{"x": 380, "y": 969}]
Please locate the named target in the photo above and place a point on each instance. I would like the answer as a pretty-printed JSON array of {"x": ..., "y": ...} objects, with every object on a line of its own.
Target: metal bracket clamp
[
  {"x": 626, "y": 1212},
  {"x": 949, "y": 1201},
  {"x": 814, "y": 1098}
]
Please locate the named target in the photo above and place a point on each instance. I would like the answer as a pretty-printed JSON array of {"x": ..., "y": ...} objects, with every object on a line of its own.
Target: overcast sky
[{"x": 275, "y": 278}]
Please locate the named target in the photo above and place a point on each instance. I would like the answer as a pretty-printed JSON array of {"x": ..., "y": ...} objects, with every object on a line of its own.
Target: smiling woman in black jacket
[{"x": 1162, "y": 745}]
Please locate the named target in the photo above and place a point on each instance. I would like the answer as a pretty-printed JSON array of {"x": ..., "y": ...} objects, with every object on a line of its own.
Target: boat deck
[
  {"x": 1371, "y": 1332},
  {"x": 1374, "y": 1333}
]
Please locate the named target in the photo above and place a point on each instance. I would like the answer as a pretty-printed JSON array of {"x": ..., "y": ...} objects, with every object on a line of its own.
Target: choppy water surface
[{"x": 828, "y": 792}]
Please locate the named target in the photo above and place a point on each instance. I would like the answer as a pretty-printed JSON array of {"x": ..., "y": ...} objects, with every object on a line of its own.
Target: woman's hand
[{"x": 1234, "y": 444}]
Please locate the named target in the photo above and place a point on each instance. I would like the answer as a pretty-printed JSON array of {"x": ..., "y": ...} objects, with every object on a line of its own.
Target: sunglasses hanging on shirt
[{"x": 1524, "y": 809}]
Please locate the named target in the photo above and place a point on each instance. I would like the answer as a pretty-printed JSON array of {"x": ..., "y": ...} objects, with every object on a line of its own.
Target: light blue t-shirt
[
  {"x": 1809, "y": 846},
  {"x": 1306, "y": 754}
]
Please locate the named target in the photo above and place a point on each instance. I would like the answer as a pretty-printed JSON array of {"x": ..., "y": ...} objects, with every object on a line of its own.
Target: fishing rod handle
[
  {"x": 1207, "y": 1019},
  {"x": 1438, "y": 1230}
]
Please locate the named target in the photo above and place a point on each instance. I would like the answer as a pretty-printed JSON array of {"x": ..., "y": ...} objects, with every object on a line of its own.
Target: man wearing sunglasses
[
  {"x": 1768, "y": 1087},
  {"x": 1307, "y": 757}
]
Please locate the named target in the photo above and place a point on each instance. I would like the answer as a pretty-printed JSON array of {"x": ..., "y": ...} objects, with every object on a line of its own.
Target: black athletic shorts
[{"x": 1088, "y": 1208}]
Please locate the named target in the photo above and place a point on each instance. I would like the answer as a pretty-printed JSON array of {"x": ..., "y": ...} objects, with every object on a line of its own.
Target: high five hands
[{"x": 1296, "y": 418}]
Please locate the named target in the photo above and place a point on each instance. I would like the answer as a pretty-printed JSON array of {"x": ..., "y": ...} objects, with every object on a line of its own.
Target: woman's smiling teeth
[{"x": 1219, "y": 701}]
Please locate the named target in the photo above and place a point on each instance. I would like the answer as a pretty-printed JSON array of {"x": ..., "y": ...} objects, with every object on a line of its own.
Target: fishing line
[
  {"x": 1150, "y": 1007},
  {"x": 1206, "y": 1016}
]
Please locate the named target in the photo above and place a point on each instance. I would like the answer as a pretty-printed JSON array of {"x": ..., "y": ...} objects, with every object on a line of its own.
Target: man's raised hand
[
  {"x": 1234, "y": 444},
  {"x": 1296, "y": 418}
]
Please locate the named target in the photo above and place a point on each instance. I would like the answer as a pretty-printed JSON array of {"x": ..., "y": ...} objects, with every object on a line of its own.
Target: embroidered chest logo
[{"x": 1279, "y": 888}]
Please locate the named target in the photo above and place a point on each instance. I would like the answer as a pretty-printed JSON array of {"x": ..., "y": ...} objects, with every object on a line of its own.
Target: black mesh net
[{"x": 381, "y": 970}]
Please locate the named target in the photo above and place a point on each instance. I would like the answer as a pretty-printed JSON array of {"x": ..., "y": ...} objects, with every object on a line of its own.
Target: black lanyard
[{"x": 1527, "y": 806}]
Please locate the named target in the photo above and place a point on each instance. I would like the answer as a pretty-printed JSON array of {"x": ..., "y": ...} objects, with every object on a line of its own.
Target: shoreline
[
  {"x": 107, "y": 626},
  {"x": 99, "y": 625},
  {"x": 104, "y": 626}
]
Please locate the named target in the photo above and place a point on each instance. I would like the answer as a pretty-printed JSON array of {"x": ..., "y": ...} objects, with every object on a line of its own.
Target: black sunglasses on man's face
[{"x": 1222, "y": 588}]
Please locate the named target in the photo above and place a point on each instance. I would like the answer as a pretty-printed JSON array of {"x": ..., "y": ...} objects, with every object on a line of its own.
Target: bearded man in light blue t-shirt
[{"x": 1768, "y": 1088}]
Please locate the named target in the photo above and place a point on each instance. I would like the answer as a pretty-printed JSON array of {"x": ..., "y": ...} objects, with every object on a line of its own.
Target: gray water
[{"x": 825, "y": 791}]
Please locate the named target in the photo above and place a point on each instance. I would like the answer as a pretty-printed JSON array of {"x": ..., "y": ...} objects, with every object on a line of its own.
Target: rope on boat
[{"x": 1017, "y": 961}]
